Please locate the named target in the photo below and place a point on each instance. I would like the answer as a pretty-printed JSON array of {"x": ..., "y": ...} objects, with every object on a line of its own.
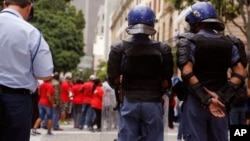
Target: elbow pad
[
  {"x": 183, "y": 49},
  {"x": 241, "y": 47},
  {"x": 167, "y": 62},
  {"x": 114, "y": 63},
  {"x": 200, "y": 91},
  {"x": 227, "y": 91}
]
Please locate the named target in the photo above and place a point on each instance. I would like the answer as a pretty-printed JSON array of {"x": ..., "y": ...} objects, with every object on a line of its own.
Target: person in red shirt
[
  {"x": 87, "y": 111},
  {"x": 77, "y": 101},
  {"x": 96, "y": 103},
  {"x": 45, "y": 106},
  {"x": 65, "y": 99}
]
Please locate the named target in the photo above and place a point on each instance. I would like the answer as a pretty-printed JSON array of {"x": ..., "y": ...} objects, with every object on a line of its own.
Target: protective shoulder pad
[
  {"x": 167, "y": 63},
  {"x": 241, "y": 47},
  {"x": 183, "y": 49},
  {"x": 188, "y": 35},
  {"x": 165, "y": 48},
  {"x": 117, "y": 47}
]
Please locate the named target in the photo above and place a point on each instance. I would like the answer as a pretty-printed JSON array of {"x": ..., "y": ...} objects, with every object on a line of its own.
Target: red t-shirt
[
  {"x": 172, "y": 102},
  {"x": 65, "y": 88},
  {"x": 96, "y": 101},
  {"x": 77, "y": 94},
  {"x": 45, "y": 89},
  {"x": 87, "y": 92}
]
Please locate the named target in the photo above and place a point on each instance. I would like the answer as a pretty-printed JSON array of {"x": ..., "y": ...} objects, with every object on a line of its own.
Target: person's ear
[
  {"x": 29, "y": 7},
  {"x": 31, "y": 12},
  {"x": 4, "y": 4}
]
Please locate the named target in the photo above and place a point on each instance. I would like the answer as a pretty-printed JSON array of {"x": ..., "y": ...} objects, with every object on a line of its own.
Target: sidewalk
[{"x": 72, "y": 134}]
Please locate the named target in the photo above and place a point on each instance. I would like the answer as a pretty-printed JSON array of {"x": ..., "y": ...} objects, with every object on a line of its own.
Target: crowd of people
[{"x": 81, "y": 102}]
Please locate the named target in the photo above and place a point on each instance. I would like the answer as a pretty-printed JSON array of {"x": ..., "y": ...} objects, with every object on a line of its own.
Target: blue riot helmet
[
  {"x": 141, "y": 20},
  {"x": 202, "y": 12}
]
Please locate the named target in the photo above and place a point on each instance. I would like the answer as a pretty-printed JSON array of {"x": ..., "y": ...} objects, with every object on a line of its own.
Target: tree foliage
[
  {"x": 102, "y": 70},
  {"x": 61, "y": 25}
]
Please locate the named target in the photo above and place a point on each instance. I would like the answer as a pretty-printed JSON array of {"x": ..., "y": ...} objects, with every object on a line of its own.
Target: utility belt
[{"x": 8, "y": 90}]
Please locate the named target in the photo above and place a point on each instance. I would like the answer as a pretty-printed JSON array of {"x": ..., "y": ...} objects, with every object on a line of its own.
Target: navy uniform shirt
[{"x": 211, "y": 33}]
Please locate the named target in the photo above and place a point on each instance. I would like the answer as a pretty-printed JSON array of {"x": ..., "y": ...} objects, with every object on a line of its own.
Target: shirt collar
[{"x": 12, "y": 11}]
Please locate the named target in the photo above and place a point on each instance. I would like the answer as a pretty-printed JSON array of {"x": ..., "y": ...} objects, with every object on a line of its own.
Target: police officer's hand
[
  {"x": 216, "y": 105},
  {"x": 215, "y": 108},
  {"x": 215, "y": 98}
]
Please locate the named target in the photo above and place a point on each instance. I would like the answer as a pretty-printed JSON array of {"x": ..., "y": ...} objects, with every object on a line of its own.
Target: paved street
[{"x": 71, "y": 134}]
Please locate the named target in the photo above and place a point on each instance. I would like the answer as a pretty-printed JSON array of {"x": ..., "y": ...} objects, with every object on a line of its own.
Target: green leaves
[
  {"x": 66, "y": 60},
  {"x": 62, "y": 27}
]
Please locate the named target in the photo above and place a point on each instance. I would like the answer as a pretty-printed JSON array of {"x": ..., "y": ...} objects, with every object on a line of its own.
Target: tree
[
  {"x": 1, "y": 5},
  {"x": 102, "y": 70},
  {"x": 61, "y": 26}
]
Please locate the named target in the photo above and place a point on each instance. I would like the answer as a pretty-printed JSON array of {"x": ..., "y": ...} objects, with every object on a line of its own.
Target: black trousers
[
  {"x": 98, "y": 118},
  {"x": 1, "y": 121}
]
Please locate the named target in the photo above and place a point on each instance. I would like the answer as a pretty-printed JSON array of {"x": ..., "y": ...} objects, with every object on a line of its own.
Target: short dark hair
[
  {"x": 21, "y": 3},
  {"x": 56, "y": 76}
]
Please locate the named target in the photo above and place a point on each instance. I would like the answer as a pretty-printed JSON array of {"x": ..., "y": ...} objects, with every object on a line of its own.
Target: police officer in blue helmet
[
  {"x": 142, "y": 68},
  {"x": 204, "y": 57}
]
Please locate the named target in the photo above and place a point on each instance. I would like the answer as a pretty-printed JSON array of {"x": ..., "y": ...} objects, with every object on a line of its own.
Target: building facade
[{"x": 90, "y": 11}]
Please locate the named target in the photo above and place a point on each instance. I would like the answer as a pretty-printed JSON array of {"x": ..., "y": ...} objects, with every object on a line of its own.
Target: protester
[
  {"x": 109, "y": 115},
  {"x": 87, "y": 113},
  {"x": 179, "y": 90},
  {"x": 77, "y": 102},
  {"x": 25, "y": 57},
  {"x": 45, "y": 106},
  {"x": 96, "y": 104},
  {"x": 171, "y": 109},
  {"x": 146, "y": 67},
  {"x": 57, "y": 101},
  {"x": 65, "y": 99}
]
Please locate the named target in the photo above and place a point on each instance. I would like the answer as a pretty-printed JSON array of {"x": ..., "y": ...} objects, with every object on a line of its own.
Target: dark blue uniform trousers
[
  {"x": 200, "y": 125},
  {"x": 16, "y": 117},
  {"x": 141, "y": 121}
]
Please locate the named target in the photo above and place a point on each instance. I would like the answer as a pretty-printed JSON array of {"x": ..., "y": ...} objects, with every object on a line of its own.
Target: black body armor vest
[
  {"x": 141, "y": 69},
  {"x": 212, "y": 60}
]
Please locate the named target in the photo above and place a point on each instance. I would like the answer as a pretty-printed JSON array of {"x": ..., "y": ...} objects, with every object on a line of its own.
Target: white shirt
[{"x": 24, "y": 54}]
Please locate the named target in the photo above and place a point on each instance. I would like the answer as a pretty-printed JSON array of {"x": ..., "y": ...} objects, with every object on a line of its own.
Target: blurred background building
[{"x": 90, "y": 11}]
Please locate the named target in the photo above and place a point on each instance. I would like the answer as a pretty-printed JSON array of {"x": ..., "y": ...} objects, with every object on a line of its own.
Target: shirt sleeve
[
  {"x": 42, "y": 64},
  {"x": 235, "y": 55}
]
